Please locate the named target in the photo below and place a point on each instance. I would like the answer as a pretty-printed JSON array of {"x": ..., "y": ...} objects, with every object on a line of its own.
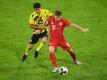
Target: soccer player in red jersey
[{"x": 57, "y": 25}]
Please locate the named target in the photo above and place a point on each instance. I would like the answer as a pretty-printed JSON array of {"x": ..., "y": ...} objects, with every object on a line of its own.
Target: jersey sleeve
[
  {"x": 67, "y": 23},
  {"x": 31, "y": 19},
  {"x": 49, "y": 19}
]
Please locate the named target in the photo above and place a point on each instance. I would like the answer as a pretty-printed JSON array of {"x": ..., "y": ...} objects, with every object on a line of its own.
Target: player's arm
[
  {"x": 75, "y": 26},
  {"x": 36, "y": 27},
  {"x": 45, "y": 24},
  {"x": 32, "y": 23},
  {"x": 49, "y": 14}
]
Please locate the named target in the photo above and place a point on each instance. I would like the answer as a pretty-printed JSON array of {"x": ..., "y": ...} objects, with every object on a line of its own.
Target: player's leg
[
  {"x": 53, "y": 58},
  {"x": 66, "y": 46},
  {"x": 44, "y": 38},
  {"x": 29, "y": 47},
  {"x": 34, "y": 40},
  {"x": 73, "y": 55},
  {"x": 42, "y": 43}
]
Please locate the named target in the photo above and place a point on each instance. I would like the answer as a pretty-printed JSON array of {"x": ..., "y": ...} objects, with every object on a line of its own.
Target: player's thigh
[
  {"x": 44, "y": 36},
  {"x": 34, "y": 38},
  {"x": 53, "y": 45},
  {"x": 65, "y": 45},
  {"x": 44, "y": 39}
]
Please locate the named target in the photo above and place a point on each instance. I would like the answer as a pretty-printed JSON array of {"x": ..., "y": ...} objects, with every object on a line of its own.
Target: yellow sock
[
  {"x": 27, "y": 51},
  {"x": 40, "y": 46}
]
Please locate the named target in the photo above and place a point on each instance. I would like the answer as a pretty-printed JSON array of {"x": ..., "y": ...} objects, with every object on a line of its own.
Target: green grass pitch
[{"x": 91, "y": 46}]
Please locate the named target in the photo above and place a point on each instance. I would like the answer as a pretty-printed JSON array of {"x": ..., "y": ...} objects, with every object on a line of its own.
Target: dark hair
[
  {"x": 58, "y": 13},
  {"x": 36, "y": 5}
]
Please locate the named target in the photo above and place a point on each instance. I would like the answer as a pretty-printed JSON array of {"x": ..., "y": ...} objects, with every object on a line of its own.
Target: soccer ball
[{"x": 63, "y": 70}]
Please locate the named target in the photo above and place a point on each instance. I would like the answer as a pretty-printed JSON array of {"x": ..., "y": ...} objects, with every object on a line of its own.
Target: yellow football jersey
[{"x": 39, "y": 19}]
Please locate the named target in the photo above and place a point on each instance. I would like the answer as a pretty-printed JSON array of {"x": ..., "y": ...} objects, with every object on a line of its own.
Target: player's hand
[{"x": 85, "y": 30}]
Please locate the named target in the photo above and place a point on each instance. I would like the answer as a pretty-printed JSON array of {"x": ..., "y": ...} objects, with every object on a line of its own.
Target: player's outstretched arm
[{"x": 79, "y": 28}]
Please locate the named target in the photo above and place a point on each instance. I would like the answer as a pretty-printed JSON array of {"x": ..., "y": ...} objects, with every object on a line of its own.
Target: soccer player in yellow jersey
[{"x": 36, "y": 21}]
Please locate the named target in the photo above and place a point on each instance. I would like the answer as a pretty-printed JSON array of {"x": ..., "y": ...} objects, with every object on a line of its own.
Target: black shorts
[{"x": 35, "y": 37}]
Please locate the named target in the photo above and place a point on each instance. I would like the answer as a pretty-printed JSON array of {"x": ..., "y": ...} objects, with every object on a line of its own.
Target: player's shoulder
[
  {"x": 51, "y": 18},
  {"x": 33, "y": 13},
  {"x": 63, "y": 20},
  {"x": 45, "y": 10},
  {"x": 66, "y": 22}
]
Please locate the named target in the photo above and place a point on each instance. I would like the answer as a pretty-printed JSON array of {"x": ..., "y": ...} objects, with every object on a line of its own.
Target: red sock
[{"x": 53, "y": 59}]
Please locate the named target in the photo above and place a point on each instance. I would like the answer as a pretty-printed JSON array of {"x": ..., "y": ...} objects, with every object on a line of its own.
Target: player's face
[
  {"x": 38, "y": 10},
  {"x": 57, "y": 18}
]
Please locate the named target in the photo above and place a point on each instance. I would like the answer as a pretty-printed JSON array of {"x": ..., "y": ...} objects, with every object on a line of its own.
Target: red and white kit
[{"x": 56, "y": 33}]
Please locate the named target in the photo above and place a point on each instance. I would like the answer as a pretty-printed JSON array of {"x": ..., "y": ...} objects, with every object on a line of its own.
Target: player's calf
[
  {"x": 30, "y": 46},
  {"x": 73, "y": 55},
  {"x": 44, "y": 40}
]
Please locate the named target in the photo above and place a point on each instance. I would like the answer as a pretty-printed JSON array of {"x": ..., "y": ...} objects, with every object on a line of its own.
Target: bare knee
[
  {"x": 44, "y": 39},
  {"x": 51, "y": 49},
  {"x": 30, "y": 46}
]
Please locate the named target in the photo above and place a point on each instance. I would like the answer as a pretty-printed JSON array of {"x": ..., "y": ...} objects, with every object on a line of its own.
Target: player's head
[
  {"x": 37, "y": 7},
  {"x": 58, "y": 15}
]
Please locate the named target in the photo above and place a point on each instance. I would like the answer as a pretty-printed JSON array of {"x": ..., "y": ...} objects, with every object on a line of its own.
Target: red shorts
[{"x": 62, "y": 42}]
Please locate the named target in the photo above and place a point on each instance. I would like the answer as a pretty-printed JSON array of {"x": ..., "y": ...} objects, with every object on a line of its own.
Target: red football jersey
[{"x": 57, "y": 27}]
